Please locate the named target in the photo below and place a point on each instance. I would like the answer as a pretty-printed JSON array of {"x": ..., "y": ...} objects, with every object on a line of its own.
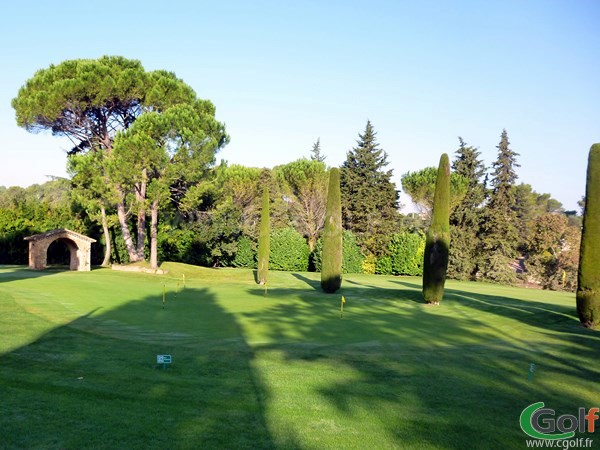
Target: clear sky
[{"x": 283, "y": 74}]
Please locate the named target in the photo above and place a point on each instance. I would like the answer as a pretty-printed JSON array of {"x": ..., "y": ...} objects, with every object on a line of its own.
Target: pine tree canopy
[
  {"x": 504, "y": 175},
  {"x": 369, "y": 197},
  {"x": 316, "y": 154},
  {"x": 500, "y": 233}
]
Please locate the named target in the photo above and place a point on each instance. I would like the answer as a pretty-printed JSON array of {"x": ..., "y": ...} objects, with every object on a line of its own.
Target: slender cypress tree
[
  {"x": 263, "y": 239},
  {"x": 331, "y": 270},
  {"x": 437, "y": 244},
  {"x": 588, "y": 280}
]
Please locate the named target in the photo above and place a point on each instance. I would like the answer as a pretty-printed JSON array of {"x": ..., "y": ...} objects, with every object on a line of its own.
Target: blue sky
[{"x": 283, "y": 74}]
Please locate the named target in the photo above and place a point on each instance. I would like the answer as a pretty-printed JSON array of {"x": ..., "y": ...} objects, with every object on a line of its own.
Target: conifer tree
[
  {"x": 499, "y": 233},
  {"x": 437, "y": 244},
  {"x": 263, "y": 239},
  {"x": 331, "y": 270},
  {"x": 465, "y": 219},
  {"x": 316, "y": 154},
  {"x": 369, "y": 197},
  {"x": 588, "y": 280}
]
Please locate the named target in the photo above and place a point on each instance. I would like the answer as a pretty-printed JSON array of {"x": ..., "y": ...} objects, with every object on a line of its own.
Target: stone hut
[{"x": 80, "y": 248}]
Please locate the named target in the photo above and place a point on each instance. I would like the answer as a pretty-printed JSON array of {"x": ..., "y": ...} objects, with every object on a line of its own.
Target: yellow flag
[{"x": 343, "y": 299}]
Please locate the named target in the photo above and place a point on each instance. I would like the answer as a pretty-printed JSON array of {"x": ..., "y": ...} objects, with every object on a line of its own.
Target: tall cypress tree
[
  {"x": 588, "y": 280},
  {"x": 465, "y": 219},
  {"x": 331, "y": 269},
  {"x": 369, "y": 197},
  {"x": 263, "y": 239},
  {"x": 499, "y": 233},
  {"x": 437, "y": 244}
]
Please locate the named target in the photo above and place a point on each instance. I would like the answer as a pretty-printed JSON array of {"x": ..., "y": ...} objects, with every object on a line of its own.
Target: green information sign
[{"x": 164, "y": 360}]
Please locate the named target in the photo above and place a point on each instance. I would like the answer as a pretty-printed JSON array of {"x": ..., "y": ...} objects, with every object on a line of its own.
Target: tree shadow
[
  {"x": 12, "y": 273},
  {"x": 411, "y": 372},
  {"x": 95, "y": 383},
  {"x": 413, "y": 365},
  {"x": 408, "y": 285},
  {"x": 314, "y": 284}
]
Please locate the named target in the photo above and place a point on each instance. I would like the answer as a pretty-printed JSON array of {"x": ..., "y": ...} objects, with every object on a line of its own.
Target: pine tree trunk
[
  {"x": 106, "y": 261},
  {"x": 312, "y": 241},
  {"x": 141, "y": 216},
  {"x": 122, "y": 215},
  {"x": 154, "y": 235}
]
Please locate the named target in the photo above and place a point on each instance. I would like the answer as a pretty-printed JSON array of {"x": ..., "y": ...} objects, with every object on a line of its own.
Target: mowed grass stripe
[{"x": 280, "y": 370}]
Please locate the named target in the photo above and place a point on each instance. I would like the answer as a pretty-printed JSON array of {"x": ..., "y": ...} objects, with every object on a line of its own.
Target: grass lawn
[{"x": 281, "y": 370}]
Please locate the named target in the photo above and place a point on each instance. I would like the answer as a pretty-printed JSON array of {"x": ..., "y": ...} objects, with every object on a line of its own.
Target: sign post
[
  {"x": 164, "y": 360},
  {"x": 531, "y": 372}
]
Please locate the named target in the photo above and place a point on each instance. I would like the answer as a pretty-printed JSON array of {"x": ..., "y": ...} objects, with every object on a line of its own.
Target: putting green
[{"x": 281, "y": 368}]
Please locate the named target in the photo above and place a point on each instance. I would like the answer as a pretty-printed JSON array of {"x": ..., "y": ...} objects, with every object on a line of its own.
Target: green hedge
[
  {"x": 404, "y": 256},
  {"x": 406, "y": 251},
  {"x": 289, "y": 250},
  {"x": 245, "y": 255},
  {"x": 383, "y": 265},
  {"x": 352, "y": 258}
]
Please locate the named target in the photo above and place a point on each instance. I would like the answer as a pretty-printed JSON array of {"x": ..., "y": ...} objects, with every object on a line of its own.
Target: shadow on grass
[
  {"x": 416, "y": 375},
  {"x": 11, "y": 273},
  {"x": 94, "y": 383},
  {"x": 430, "y": 378},
  {"x": 314, "y": 284}
]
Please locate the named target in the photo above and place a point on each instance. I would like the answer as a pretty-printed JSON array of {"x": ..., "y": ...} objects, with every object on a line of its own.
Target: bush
[
  {"x": 289, "y": 250},
  {"x": 383, "y": 265},
  {"x": 352, "y": 257},
  {"x": 406, "y": 253},
  {"x": 246, "y": 254},
  {"x": 369, "y": 264}
]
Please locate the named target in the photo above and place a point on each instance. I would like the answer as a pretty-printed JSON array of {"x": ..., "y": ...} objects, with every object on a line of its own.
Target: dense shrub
[
  {"x": 369, "y": 264},
  {"x": 406, "y": 253},
  {"x": 404, "y": 256},
  {"x": 383, "y": 265},
  {"x": 173, "y": 244},
  {"x": 245, "y": 255},
  {"x": 352, "y": 258},
  {"x": 289, "y": 250}
]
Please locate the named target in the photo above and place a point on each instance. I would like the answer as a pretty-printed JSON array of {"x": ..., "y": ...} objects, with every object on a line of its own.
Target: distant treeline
[{"x": 532, "y": 240}]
